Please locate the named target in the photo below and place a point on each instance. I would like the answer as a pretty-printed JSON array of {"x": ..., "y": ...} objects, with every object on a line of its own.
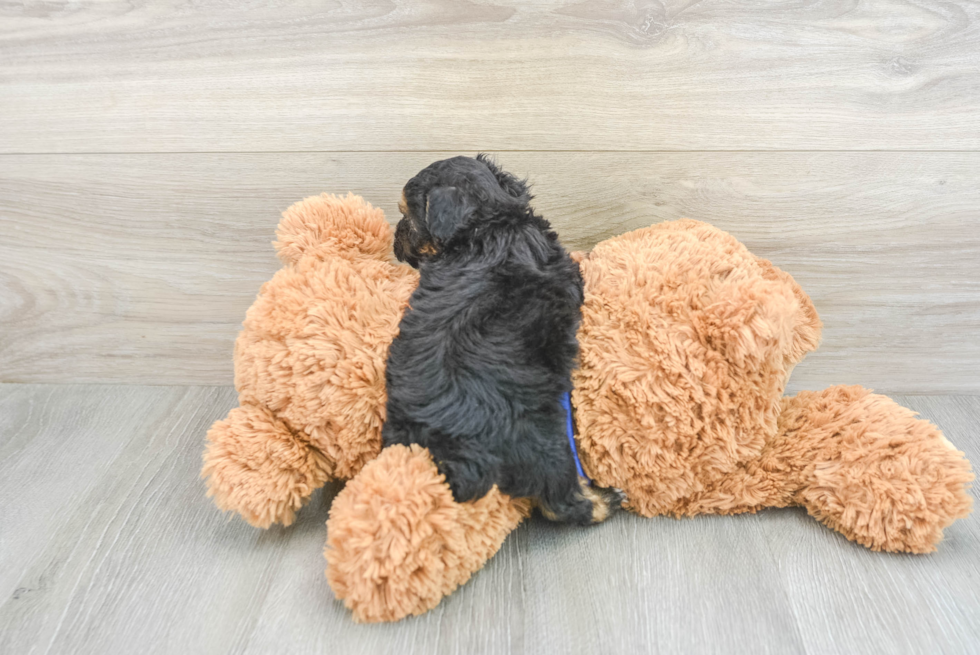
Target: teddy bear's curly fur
[
  {"x": 687, "y": 341},
  {"x": 310, "y": 362}
]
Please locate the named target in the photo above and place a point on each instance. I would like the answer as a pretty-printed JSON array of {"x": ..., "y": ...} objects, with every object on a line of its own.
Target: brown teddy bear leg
[
  {"x": 255, "y": 465},
  {"x": 397, "y": 542},
  {"x": 869, "y": 469}
]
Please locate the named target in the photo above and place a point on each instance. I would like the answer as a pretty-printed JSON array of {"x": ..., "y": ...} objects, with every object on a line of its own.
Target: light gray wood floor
[{"x": 108, "y": 545}]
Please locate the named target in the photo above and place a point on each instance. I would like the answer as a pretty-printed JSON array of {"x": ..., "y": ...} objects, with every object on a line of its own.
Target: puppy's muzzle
[{"x": 403, "y": 245}]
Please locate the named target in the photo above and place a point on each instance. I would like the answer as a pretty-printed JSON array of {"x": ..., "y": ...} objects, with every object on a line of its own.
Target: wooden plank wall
[{"x": 146, "y": 152}]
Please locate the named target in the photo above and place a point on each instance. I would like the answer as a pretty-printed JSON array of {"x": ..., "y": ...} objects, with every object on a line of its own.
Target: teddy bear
[{"x": 687, "y": 341}]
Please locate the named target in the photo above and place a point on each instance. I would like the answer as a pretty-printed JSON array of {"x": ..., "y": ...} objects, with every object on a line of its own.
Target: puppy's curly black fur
[{"x": 487, "y": 345}]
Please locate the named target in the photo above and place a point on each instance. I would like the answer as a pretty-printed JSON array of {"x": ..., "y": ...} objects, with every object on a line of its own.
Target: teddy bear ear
[{"x": 329, "y": 225}]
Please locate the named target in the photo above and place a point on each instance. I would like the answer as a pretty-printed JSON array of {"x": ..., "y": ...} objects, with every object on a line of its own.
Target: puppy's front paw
[{"x": 467, "y": 481}]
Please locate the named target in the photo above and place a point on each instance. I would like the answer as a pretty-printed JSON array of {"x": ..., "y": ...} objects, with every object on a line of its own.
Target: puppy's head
[{"x": 449, "y": 195}]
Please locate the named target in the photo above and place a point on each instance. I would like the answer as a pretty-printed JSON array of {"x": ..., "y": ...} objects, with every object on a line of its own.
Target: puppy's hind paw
[{"x": 606, "y": 501}]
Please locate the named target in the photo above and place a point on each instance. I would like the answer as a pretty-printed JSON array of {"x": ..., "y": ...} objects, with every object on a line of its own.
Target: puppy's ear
[
  {"x": 510, "y": 183},
  {"x": 446, "y": 209}
]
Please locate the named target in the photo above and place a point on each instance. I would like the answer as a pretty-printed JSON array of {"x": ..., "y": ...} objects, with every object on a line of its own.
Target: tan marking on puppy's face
[
  {"x": 411, "y": 231},
  {"x": 407, "y": 216},
  {"x": 403, "y": 205}
]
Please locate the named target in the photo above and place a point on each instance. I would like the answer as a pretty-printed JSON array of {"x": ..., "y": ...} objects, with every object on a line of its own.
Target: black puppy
[{"x": 487, "y": 345}]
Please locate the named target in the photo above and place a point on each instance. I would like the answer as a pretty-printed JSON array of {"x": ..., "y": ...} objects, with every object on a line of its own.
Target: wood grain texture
[
  {"x": 107, "y": 544},
  {"x": 448, "y": 74},
  {"x": 849, "y": 600},
  {"x": 139, "y": 268}
]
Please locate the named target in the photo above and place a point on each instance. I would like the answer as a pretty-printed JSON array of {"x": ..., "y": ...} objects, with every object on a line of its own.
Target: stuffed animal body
[{"x": 687, "y": 341}]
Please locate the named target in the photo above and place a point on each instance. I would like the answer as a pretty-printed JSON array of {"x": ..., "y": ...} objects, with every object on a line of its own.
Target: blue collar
[{"x": 566, "y": 402}]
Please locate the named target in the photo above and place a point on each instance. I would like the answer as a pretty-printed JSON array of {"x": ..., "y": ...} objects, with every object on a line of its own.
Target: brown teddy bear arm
[
  {"x": 256, "y": 466},
  {"x": 397, "y": 542},
  {"x": 868, "y": 468}
]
